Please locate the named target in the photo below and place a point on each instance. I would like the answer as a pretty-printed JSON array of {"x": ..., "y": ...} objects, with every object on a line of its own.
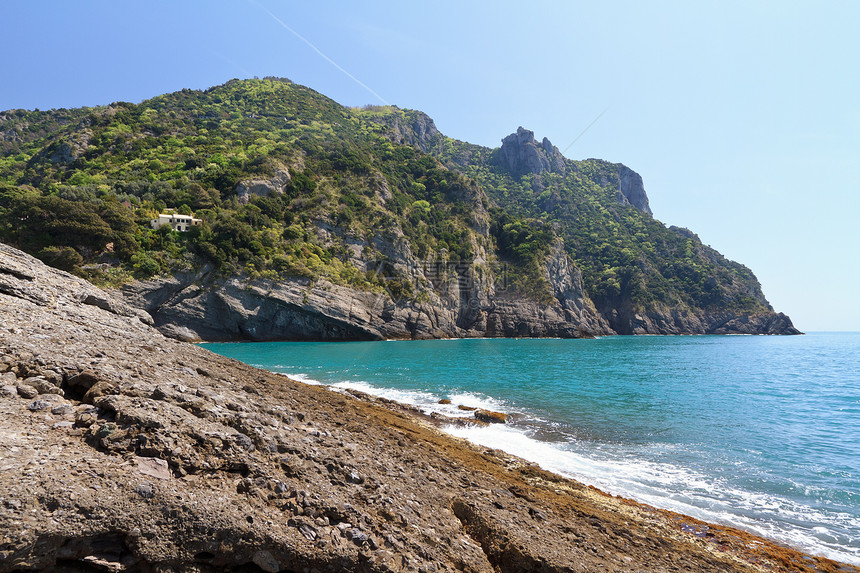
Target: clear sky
[{"x": 743, "y": 118}]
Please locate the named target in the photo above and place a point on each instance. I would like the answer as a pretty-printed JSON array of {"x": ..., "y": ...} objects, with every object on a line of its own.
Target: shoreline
[
  {"x": 665, "y": 469},
  {"x": 123, "y": 450},
  {"x": 665, "y": 484},
  {"x": 693, "y": 526},
  {"x": 748, "y": 547},
  {"x": 648, "y": 471}
]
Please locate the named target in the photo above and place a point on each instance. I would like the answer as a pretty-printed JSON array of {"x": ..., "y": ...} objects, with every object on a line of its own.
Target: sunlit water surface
[{"x": 757, "y": 432}]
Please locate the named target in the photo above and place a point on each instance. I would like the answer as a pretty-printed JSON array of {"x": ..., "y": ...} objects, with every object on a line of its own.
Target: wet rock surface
[{"x": 124, "y": 450}]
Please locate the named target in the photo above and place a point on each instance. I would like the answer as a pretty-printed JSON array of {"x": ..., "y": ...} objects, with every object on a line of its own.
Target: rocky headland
[
  {"x": 124, "y": 450},
  {"x": 462, "y": 299},
  {"x": 318, "y": 221}
]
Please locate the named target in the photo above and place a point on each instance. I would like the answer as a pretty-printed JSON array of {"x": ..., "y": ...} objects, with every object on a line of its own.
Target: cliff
[
  {"x": 124, "y": 450},
  {"x": 199, "y": 306},
  {"x": 521, "y": 154},
  {"x": 353, "y": 223}
]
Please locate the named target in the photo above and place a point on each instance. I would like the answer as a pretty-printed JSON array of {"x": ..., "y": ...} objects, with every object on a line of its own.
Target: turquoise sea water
[{"x": 757, "y": 432}]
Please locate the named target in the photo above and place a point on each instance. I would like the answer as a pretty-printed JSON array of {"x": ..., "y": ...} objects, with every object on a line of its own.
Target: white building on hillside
[{"x": 176, "y": 221}]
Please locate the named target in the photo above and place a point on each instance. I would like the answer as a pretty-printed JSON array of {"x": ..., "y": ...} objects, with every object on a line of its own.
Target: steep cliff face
[
  {"x": 632, "y": 190},
  {"x": 643, "y": 277},
  {"x": 667, "y": 320},
  {"x": 465, "y": 301},
  {"x": 571, "y": 313},
  {"x": 521, "y": 153}
]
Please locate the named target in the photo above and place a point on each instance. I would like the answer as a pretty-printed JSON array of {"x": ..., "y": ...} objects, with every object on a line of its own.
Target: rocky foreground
[{"x": 124, "y": 450}]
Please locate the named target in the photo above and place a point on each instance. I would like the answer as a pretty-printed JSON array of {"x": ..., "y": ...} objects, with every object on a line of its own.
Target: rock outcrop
[
  {"x": 679, "y": 321},
  {"x": 273, "y": 185},
  {"x": 67, "y": 149},
  {"x": 631, "y": 190},
  {"x": 123, "y": 450},
  {"x": 521, "y": 154},
  {"x": 198, "y": 306},
  {"x": 417, "y": 129}
]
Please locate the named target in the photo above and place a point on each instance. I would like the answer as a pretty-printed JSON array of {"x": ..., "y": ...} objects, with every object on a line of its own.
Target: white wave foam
[
  {"x": 681, "y": 490},
  {"x": 303, "y": 378},
  {"x": 427, "y": 402},
  {"x": 474, "y": 400},
  {"x": 411, "y": 397},
  {"x": 623, "y": 473}
]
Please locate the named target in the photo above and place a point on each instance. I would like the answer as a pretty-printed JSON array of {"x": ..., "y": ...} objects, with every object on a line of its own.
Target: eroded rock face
[
  {"x": 632, "y": 191},
  {"x": 273, "y": 185},
  {"x": 195, "y": 306},
  {"x": 418, "y": 130},
  {"x": 679, "y": 321},
  {"x": 521, "y": 154}
]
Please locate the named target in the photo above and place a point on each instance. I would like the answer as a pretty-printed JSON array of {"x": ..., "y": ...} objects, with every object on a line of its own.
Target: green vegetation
[
  {"x": 78, "y": 189},
  {"x": 626, "y": 256},
  {"x": 525, "y": 244},
  {"x": 88, "y": 182}
]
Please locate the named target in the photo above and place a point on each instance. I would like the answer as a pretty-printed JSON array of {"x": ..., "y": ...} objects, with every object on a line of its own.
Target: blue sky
[{"x": 743, "y": 118}]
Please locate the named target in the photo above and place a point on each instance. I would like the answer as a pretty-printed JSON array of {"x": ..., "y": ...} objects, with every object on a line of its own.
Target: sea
[{"x": 757, "y": 432}]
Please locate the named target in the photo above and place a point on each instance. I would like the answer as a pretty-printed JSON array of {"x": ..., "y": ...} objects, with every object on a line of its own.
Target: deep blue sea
[{"x": 758, "y": 432}]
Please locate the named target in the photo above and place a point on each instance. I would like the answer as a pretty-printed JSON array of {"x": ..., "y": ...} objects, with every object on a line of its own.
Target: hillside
[{"x": 320, "y": 221}]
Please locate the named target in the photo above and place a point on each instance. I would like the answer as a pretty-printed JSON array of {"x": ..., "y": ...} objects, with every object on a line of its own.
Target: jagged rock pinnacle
[{"x": 522, "y": 154}]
